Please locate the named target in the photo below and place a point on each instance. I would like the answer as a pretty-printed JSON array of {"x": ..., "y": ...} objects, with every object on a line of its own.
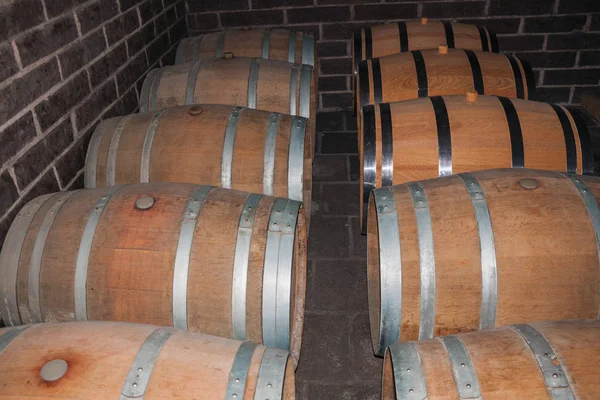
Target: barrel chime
[
  {"x": 480, "y": 219},
  {"x": 194, "y": 221}
]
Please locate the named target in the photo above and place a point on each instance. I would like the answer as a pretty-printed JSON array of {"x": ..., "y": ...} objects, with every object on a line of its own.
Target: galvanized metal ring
[
  {"x": 269, "y": 158},
  {"x": 308, "y": 49},
  {"x": 111, "y": 158},
  {"x": 409, "y": 379},
  {"x": 144, "y": 95},
  {"x": 305, "y": 79},
  {"x": 228, "y": 145},
  {"x": 271, "y": 375},
  {"x": 190, "y": 89},
  {"x": 296, "y": 159},
  {"x": 147, "y": 149},
  {"x": 266, "y": 43},
  {"x": 465, "y": 376},
  {"x": 253, "y": 83},
  {"x": 293, "y": 89},
  {"x": 292, "y": 47},
  {"x": 238, "y": 375}
]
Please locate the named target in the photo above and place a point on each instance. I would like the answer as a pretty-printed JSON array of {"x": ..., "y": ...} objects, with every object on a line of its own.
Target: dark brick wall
[
  {"x": 561, "y": 38},
  {"x": 64, "y": 66}
]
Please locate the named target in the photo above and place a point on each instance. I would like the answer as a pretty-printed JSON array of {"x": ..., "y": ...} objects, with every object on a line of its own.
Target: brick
[
  {"x": 127, "y": 4},
  {"x": 24, "y": 90},
  {"x": 359, "y": 241},
  {"x": 29, "y": 166},
  {"x": 318, "y": 14},
  {"x": 340, "y": 199},
  {"x": 180, "y": 10},
  {"x": 520, "y": 7},
  {"x": 8, "y": 64},
  {"x": 334, "y": 66},
  {"x": 169, "y": 57},
  {"x": 553, "y": 94},
  {"x": 60, "y": 102},
  {"x": 595, "y": 25},
  {"x": 105, "y": 67},
  {"x": 97, "y": 13},
  {"x": 573, "y": 41},
  {"x": 132, "y": 72},
  {"x": 343, "y": 391},
  {"x": 555, "y": 24},
  {"x": 8, "y": 192},
  {"x": 331, "y": 168},
  {"x": 342, "y": 31},
  {"x": 351, "y": 121},
  {"x": 149, "y": 10},
  {"x": 332, "y": 49},
  {"x": 330, "y": 293},
  {"x": 572, "y": 77},
  {"x": 385, "y": 11},
  {"x": 341, "y": 143},
  {"x": 93, "y": 107},
  {"x": 329, "y": 237},
  {"x": 6, "y": 222},
  {"x": 122, "y": 26},
  {"x": 266, "y": 17},
  {"x": 211, "y": 5},
  {"x": 77, "y": 183},
  {"x": 165, "y": 20},
  {"x": 73, "y": 161},
  {"x": 128, "y": 104},
  {"x": 202, "y": 22},
  {"x": 545, "y": 59},
  {"x": 157, "y": 48},
  {"x": 579, "y": 6},
  {"x": 333, "y": 83},
  {"x": 57, "y": 7},
  {"x": 366, "y": 367},
  {"x": 330, "y": 121},
  {"x": 589, "y": 58},
  {"x": 177, "y": 32},
  {"x": 521, "y": 43},
  {"x": 41, "y": 42},
  {"x": 336, "y": 100},
  {"x": 46, "y": 184},
  {"x": 81, "y": 53},
  {"x": 16, "y": 136},
  {"x": 325, "y": 349},
  {"x": 354, "y": 163},
  {"x": 453, "y": 10},
  {"x": 19, "y": 15},
  {"x": 139, "y": 39},
  {"x": 500, "y": 26},
  {"x": 280, "y": 3}
]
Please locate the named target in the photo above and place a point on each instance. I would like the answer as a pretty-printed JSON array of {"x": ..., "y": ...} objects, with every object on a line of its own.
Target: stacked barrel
[
  {"x": 194, "y": 221},
  {"x": 483, "y": 231}
]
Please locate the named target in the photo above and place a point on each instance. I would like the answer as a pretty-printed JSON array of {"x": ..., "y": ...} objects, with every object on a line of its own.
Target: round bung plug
[
  {"x": 528, "y": 183},
  {"x": 195, "y": 110},
  {"x": 144, "y": 202},
  {"x": 472, "y": 96},
  {"x": 228, "y": 55},
  {"x": 424, "y": 20},
  {"x": 443, "y": 49},
  {"x": 54, "y": 370},
  {"x": 245, "y": 28}
]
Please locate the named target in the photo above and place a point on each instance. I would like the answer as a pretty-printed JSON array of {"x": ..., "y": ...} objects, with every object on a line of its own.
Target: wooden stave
[
  {"x": 103, "y": 359},
  {"x": 581, "y": 303},
  {"x": 371, "y": 137},
  {"x": 501, "y": 363},
  {"x": 102, "y": 310}
]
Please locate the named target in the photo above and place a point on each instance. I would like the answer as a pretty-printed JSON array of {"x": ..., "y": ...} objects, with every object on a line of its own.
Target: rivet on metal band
[
  {"x": 591, "y": 205},
  {"x": 111, "y": 158},
  {"x": 270, "y": 273},
  {"x": 292, "y": 47},
  {"x": 489, "y": 274},
  {"x": 296, "y": 159},
  {"x": 269, "y": 159},
  {"x": 308, "y": 49},
  {"x": 294, "y": 89},
  {"x": 465, "y": 376},
  {"x": 154, "y": 90},
  {"x": 83, "y": 255},
  {"x": 228, "y": 144},
  {"x": 220, "y": 44},
  {"x": 182, "y": 256},
  {"x": 271, "y": 375},
  {"x": 426, "y": 260},
  {"x": 266, "y": 43},
  {"x": 190, "y": 89},
  {"x": 181, "y": 53},
  {"x": 144, "y": 96},
  {"x": 140, "y": 372},
  {"x": 35, "y": 264},
  {"x": 305, "y": 77},
  {"x": 550, "y": 367},
  {"x": 240, "y": 267},
  {"x": 91, "y": 158},
  {"x": 239, "y": 371},
  {"x": 408, "y": 371},
  {"x": 253, "y": 82},
  {"x": 11, "y": 335},
  {"x": 9, "y": 259},
  {"x": 390, "y": 268},
  {"x": 147, "y": 149}
]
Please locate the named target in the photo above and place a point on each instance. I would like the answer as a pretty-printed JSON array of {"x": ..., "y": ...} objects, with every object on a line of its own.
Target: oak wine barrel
[
  {"x": 483, "y": 249},
  {"x": 423, "y": 73},
  {"x": 393, "y": 38},
  {"x": 441, "y": 135},
  {"x": 232, "y": 147},
  {"x": 202, "y": 258},
  {"x": 541, "y": 360},
  {"x": 274, "y": 44},
  {"x": 117, "y": 360}
]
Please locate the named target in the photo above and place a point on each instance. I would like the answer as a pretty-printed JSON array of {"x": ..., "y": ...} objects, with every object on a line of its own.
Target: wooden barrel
[
  {"x": 206, "y": 259},
  {"x": 441, "y": 135},
  {"x": 482, "y": 249},
  {"x": 268, "y": 85},
  {"x": 232, "y": 147},
  {"x": 439, "y": 72},
  {"x": 273, "y": 44},
  {"x": 541, "y": 360},
  {"x": 112, "y": 360}
]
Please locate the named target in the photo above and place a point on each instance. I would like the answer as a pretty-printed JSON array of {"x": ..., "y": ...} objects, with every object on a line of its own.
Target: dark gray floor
[{"x": 336, "y": 361}]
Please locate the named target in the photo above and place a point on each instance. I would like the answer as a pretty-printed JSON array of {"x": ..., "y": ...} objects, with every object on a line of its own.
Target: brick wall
[
  {"x": 64, "y": 66},
  {"x": 560, "y": 38}
]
